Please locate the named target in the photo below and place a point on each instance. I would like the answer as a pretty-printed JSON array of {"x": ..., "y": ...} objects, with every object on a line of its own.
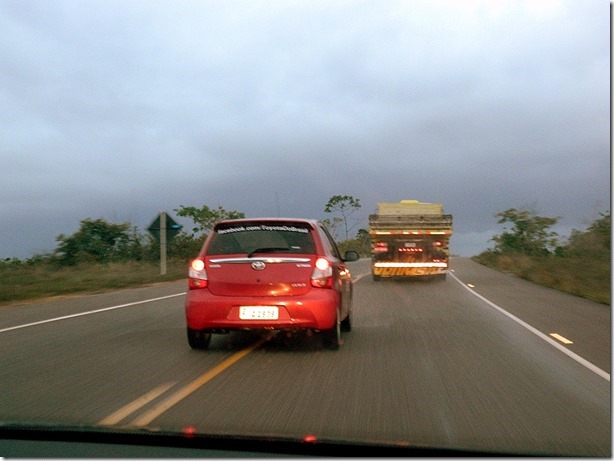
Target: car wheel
[
  {"x": 376, "y": 278},
  {"x": 346, "y": 323},
  {"x": 198, "y": 339},
  {"x": 331, "y": 339}
]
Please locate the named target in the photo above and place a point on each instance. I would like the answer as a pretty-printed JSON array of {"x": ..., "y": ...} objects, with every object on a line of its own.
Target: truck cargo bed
[
  {"x": 409, "y": 222},
  {"x": 409, "y": 239}
]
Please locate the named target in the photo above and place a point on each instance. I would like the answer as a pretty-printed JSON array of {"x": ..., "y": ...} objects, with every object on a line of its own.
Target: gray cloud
[{"x": 121, "y": 109}]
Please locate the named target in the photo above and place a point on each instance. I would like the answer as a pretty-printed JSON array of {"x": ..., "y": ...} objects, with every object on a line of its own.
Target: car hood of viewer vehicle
[{"x": 19, "y": 439}]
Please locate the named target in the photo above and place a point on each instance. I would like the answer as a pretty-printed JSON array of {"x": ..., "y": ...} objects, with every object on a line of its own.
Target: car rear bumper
[{"x": 316, "y": 310}]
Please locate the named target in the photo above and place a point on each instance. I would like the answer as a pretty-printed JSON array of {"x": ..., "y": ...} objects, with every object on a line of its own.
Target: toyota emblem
[{"x": 258, "y": 265}]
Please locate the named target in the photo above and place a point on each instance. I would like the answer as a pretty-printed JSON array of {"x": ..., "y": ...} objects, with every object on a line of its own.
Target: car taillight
[
  {"x": 322, "y": 275},
  {"x": 197, "y": 274}
]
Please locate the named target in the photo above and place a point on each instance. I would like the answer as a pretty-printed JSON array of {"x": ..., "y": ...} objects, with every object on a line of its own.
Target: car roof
[{"x": 311, "y": 222}]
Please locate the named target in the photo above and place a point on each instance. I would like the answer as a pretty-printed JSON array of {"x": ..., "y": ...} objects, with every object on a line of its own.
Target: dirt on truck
[{"x": 410, "y": 239}]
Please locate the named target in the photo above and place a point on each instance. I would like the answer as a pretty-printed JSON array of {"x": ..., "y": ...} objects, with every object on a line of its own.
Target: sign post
[
  {"x": 163, "y": 229},
  {"x": 162, "y": 243}
]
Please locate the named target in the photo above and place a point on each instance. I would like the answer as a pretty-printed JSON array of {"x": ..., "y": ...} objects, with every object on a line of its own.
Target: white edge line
[
  {"x": 535, "y": 331},
  {"x": 88, "y": 312},
  {"x": 359, "y": 276}
]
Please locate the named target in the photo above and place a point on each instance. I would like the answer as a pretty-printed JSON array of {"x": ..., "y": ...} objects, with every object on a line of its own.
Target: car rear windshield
[{"x": 255, "y": 238}]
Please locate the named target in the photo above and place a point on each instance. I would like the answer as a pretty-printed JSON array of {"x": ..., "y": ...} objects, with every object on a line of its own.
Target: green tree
[
  {"x": 364, "y": 242},
  {"x": 346, "y": 206},
  {"x": 594, "y": 243},
  {"x": 361, "y": 243},
  {"x": 529, "y": 235},
  {"x": 205, "y": 218},
  {"x": 185, "y": 246},
  {"x": 96, "y": 240},
  {"x": 332, "y": 225}
]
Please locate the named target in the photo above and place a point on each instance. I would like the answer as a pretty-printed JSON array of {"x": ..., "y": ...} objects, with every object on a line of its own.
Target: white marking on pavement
[
  {"x": 359, "y": 276},
  {"x": 535, "y": 331},
  {"x": 56, "y": 319}
]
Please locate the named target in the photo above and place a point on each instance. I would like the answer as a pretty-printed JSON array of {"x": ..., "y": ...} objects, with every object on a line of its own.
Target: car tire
[
  {"x": 331, "y": 339},
  {"x": 198, "y": 339},
  {"x": 376, "y": 278},
  {"x": 346, "y": 323}
]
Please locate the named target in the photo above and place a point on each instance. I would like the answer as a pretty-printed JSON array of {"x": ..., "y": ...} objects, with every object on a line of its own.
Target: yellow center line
[
  {"x": 561, "y": 338},
  {"x": 127, "y": 410},
  {"x": 181, "y": 394}
]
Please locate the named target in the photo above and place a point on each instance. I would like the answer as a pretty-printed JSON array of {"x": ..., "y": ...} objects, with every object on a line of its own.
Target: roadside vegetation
[
  {"x": 580, "y": 265},
  {"x": 22, "y": 281},
  {"x": 104, "y": 256}
]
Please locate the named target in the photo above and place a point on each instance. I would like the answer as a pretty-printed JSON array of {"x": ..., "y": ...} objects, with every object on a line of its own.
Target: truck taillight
[
  {"x": 379, "y": 247},
  {"x": 322, "y": 275},
  {"x": 197, "y": 275}
]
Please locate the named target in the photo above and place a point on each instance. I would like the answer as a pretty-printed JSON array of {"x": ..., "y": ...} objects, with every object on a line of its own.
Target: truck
[{"x": 410, "y": 239}]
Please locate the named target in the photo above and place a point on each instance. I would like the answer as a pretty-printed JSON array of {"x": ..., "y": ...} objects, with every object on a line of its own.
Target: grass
[
  {"x": 587, "y": 278},
  {"x": 28, "y": 282}
]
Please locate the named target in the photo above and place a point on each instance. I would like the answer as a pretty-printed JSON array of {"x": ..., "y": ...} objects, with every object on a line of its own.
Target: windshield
[
  {"x": 261, "y": 238},
  {"x": 373, "y": 222}
]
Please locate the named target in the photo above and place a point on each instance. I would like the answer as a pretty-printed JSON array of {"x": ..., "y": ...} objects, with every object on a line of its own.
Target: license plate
[{"x": 258, "y": 312}]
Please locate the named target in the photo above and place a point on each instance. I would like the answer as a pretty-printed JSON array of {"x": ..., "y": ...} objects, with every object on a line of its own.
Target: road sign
[
  {"x": 172, "y": 228},
  {"x": 163, "y": 228}
]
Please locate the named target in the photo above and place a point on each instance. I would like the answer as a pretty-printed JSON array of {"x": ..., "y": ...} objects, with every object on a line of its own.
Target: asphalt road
[{"x": 437, "y": 363}]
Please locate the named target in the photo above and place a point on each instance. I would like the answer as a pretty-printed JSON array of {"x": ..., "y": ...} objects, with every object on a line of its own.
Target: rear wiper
[{"x": 267, "y": 250}]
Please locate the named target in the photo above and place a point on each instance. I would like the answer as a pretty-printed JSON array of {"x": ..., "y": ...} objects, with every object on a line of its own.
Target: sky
[{"x": 119, "y": 109}]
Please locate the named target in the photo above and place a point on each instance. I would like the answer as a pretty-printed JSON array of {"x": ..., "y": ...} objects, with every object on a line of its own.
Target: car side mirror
[{"x": 351, "y": 255}]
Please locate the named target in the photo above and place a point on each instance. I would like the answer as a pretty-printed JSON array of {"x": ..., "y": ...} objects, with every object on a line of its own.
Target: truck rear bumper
[{"x": 398, "y": 269}]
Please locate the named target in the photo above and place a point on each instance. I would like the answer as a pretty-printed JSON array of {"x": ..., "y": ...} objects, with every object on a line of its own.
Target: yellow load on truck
[{"x": 410, "y": 239}]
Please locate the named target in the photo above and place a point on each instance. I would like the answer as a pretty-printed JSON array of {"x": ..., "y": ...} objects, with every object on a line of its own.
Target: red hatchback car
[{"x": 269, "y": 274}]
